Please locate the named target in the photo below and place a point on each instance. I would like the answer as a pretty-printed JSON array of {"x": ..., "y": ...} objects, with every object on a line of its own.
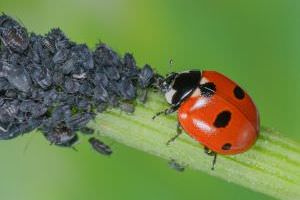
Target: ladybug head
[
  {"x": 167, "y": 82},
  {"x": 179, "y": 86}
]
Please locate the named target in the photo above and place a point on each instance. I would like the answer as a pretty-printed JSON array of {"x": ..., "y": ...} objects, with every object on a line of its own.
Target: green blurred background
[{"x": 254, "y": 42}]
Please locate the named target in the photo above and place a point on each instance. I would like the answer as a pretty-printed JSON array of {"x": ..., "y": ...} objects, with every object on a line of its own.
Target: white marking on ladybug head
[
  {"x": 200, "y": 103},
  {"x": 196, "y": 93},
  {"x": 183, "y": 115},
  {"x": 169, "y": 95},
  {"x": 204, "y": 80},
  {"x": 203, "y": 126}
]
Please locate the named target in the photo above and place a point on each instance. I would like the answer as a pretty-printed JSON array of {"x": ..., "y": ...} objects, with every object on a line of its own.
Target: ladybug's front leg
[
  {"x": 211, "y": 153},
  {"x": 167, "y": 111}
]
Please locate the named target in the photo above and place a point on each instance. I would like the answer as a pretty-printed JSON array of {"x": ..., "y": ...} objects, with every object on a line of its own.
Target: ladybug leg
[
  {"x": 178, "y": 133},
  {"x": 211, "y": 153},
  {"x": 166, "y": 111}
]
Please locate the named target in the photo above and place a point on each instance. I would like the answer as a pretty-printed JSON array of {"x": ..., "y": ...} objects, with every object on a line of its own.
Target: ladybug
[{"x": 213, "y": 110}]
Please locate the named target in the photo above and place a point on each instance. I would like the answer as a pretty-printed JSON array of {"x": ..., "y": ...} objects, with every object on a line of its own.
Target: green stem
[{"x": 272, "y": 166}]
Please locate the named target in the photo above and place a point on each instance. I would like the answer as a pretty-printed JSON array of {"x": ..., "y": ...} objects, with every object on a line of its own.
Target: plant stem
[{"x": 272, "y": 166}]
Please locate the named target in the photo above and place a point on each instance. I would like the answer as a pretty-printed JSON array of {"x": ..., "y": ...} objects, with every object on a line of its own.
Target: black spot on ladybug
[
  {"x": 208, "y": 89},
  {"x": 239, "y": 92},
  {"x": 226, "y": 146},
  {"x": 222, "y": 119}
]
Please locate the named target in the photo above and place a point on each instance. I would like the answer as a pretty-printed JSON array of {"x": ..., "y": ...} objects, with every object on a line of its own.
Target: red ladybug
[{"x": 213, "y": 110}]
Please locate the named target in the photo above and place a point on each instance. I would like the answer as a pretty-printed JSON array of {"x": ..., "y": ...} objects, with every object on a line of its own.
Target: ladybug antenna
[{"x": 170, "y": 67}]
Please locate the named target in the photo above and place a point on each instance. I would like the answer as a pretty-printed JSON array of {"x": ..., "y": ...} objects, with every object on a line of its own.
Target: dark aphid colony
[{"x": 50, "y": 83}]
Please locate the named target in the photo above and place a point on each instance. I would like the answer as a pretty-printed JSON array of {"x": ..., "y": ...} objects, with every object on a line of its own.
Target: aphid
[
  {"x": 35, "y": 109},
  {"x": 113, "y": 100},
  {"x": 145, "y": 76},
  {"x": 83, "y": 56},
  {"x": 13, "y": 130},
  {"x": 71, "y": 100},
  {"x": 61, "y": 113},
  {"x": 113, "y": 87},
  {"x": 42, "y": 77},
  {"x": 126, "y": 89},
  {"x": 58, "y": 78},
  {"x": 62, "y": 136},
  {"x": 29, "y": 125},
  {"x": 4, "y": 126},
  {"x": 18, "y": 77},
  {"x": 2, "y": 101},
  {"x": 213, "y": 110},
  {"x": 87, "y": 131},
  {"x": 111, "y": 71},
  {"x": 83, "y": 104},
  {"x": 11, "y": 93},
  {"x": 104, "y": 56},
  {"x": 48, "y": 97},
  {"x": 48, "y": 44},
  {"x": 59, "y": 38},
  {"x": 101, "y": 107},
  {"x": 127, "y": 107},
  {"x": 36, "y": 50},
  {"x": 176, "y": 166},
  {"x": 10, "y": 131},
  {"x": 129, "y": 67},
  {"x": 11, "y": 108},
  {"x": 101, "y": 78},
  {"x": 100, "y": 93},
  {"x": 79, "y": 120},
  {"x": 60, "y": 56},
  {"x": 23, "y": 95},
  {"x": 71, "y": 86},
  {"x": 86, "y": 88},
  {"x": 4, "y": 84},
  {"x": 100, "y": 146},
  {"x": 13, "y": 35},
  {"x": 67, "y": 67},
  {"x": 26, "y": 106}
]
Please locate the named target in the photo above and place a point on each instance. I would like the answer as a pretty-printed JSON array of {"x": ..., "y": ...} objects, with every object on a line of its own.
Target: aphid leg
[
  {"x": 166, "y": 111},
  {"x": 211, "y": 153},
  {"x": 143, "y": 96},
  {"x": 28, "y": 143},
  {"x": 74, "y": 148},
  {"x": 3, "y": 129},
  {"x": 178, "y": 133}
]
